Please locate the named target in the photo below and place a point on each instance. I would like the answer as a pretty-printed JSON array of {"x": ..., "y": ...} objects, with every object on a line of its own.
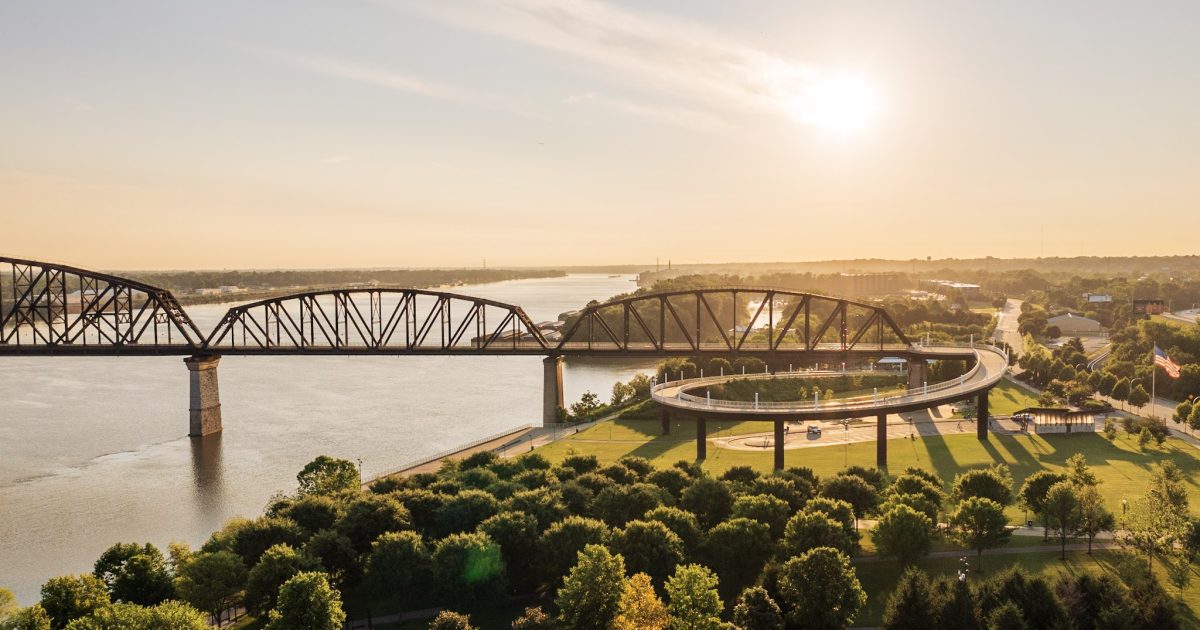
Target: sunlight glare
[{"x": 841, "y": 104}]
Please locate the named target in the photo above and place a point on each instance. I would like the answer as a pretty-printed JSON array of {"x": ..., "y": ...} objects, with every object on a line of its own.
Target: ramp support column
[
  {"x": 552, "y": 389},
  {"x": 204, "y": 398},
  {"x": 779, "y": 445},
  {"x": 666, "y": 421},
  {"x": 701, "y": 440},
  {"x": 881, "y": 441},
  {"x": 981, "y": 411}
]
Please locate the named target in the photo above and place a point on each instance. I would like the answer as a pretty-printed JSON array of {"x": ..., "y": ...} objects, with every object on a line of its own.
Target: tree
[
  {"x": 1095, "y": 600},
  {"x": 903, "y": 533},
  {"x": 1183, "y": 412},
  {"x": 1194, "y": 418},
  {"x": 755, "y": 610},
  {"x": 619, "y": 504},
  {"x": 821, "y": 590},
  {"x": 369, "y": 516},
  {"x": 250, "y": 539},
  {"x": 1108, "y": 381},
  {"x": 1138, "y": 396},
  {"x": 1078, "y": 472},
  {"x": 464, "y": 512},
  {"x": 621, "y": 392},
  {"x": 125, "y": 616},
  {"x": 648, "y": 547},
  {"x": 979, "y": 523},
  {"x": 1094, "y": 517},
  {"x": 278, "y": 565},
  {"x": 912, "y": 606},
  {"x": 853, "y": 489},
  {"x": 558, "y": 547},
  {"x": 764, "y": 508},
  {"x": 590, "y": 596},
  {"x": 1159, "y": 519},
  {"x": 993, "y": 483},
  {"x": 72, "y": 596},
  {"x": 307, "y": 601},
  {"x": 588, "y": 403},
  {"x": 314, "y": 512},
  {"x": 709, "y": 499},
  {"x": 328, "y": 476},
  {"x": 534, "y": 618},
  {"x": 640, "y": 607},
  {"x": 1033, "y": 494},
  {"x": 135, "y": 573},
  {"x": 211, "y": 581},
  {"x": 1120, "y": 390},
  {"x": 400, "y": 566},
  {"x": 450, "y": 620},
  {"x": 1006, "y": 617},
  {"x": 31, "y": 618},
  {"x": 682, "y": 522},
  {"x": 737, "y": 550},
  {"x": 468, "y": 568},
  {"x": 8, "y": 605},
  {"x": 956, "y": 605},
  {"x": 693, "y": 600},
  {"x": 1062, "y": 512},
  {"x": 517, "y": 534},
  {"x": 1179, "y": 569},
  {"x": 336, "y": 554},
  {"x": 810, "y": 529}
]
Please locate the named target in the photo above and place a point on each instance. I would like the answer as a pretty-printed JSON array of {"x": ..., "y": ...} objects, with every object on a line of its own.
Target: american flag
[{"x": 1162, "y": 360}]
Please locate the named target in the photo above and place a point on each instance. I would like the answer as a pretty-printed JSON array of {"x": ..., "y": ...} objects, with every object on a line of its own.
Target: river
[{"x": 95, "y": 450}]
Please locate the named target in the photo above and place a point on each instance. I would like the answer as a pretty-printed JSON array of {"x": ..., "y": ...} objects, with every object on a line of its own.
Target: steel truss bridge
[{"x": 49, "y": 309}]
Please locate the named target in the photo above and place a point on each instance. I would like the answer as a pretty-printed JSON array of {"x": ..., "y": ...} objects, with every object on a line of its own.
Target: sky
[{"x": 397, "y": 133}]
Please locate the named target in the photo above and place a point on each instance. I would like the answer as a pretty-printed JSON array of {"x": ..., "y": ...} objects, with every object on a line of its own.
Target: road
[{"x": 1006, "y": 327}]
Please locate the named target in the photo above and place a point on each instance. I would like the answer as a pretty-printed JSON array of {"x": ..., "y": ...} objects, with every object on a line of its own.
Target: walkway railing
[{"x": 974, "y": 378}]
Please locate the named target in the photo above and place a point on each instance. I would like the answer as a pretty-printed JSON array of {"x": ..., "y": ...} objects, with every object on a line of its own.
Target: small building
[
  {"x": 1072, "y": 325},
  {"x": 1049, "y": 420},
  {"x": 1149, "y": 307},
  {"x": 1097, "y": 298}
]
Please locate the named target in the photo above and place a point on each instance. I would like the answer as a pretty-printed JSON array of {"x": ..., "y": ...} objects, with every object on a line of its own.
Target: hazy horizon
[{"x": 542, "y": 133}]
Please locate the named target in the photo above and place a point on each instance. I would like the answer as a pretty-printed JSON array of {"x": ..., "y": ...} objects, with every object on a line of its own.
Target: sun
[{"x": 841, "y": 104}]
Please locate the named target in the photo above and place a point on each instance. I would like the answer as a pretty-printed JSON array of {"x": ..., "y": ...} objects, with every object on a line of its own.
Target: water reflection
[{"x": 208, "y": 484}]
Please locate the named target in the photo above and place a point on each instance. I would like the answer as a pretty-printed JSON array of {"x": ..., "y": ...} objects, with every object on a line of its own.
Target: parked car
[{"x": 814, "y": 429}]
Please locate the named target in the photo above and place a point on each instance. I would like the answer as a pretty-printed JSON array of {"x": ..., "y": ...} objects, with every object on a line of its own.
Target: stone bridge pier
[
  {"x": 204, "y": 398},
  {"x": 552, "y": 388}
]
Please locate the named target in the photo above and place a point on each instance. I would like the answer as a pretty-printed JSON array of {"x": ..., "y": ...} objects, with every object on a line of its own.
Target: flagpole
[{"x": 1153, "y": 377}]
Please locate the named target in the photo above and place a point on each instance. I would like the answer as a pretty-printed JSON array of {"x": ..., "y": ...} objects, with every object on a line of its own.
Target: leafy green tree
[
  {"x": 558, "y": 547},
  {"x": 956, "y": 605},
  {"x": 793, "y": 491},
  {"x": 590, "y": 596},
  {"x": 31, "y": 618},
  {"x": 693, "y": 600},
  {"x": 211, "y": 581},
  {"x": 534, "y": 618},
  {"x": 124, "y": 616},
  {"x": 307, "y": 601},
  {"x": 134, "y": 573},
  {"x": 737, "y": 550},
  {"x": 8, "y": 604},
  {"x": 468, "y": 568},
  {"x": 1121, "y": 390},
  {"x": 709, "y": 499},
  {"x": 821, "y": 590},
  {"x": 917, "y": 502},
  {"x": 810, "y": 529},
  {"x": 1159, "y": 520},
  {"x": 450, "y": 620},
  {"x": 766, "y": 509},
  {"x": 464, "y": 512},
  {"x": 546, "y": 505},
  {"x": 619, "y": 504},
  {"x": 979, "y": 523},
  {"x": 276, "y": 566},
  {"x": 1183, "y": 411},
  {"x": 1095, "y": 600},
  {"x": 913, "y": 605},
  {"x": 904, "y": 534},
  {"x": 1108, "y": 381},
  {"x": 1194, "y": 418},
  {"x": 399, "y": 567},
  {"x": 640, "y": 607},
  {"x": 993, "y": 483},
  {"x": 314, "y": 512},
  {"x": 1033, "y": 494},
  {"x": 648, "y": 547},
  {"x": 336, "y": 554},
  {"x": 862, "y": 496},
  {"x": 1032, "y": 594},
  {"x": 1062, "y": 512},
  {"x": 70, "y": 597},
  {"x": 1094, "y": 516},
  {"x": 682, "y": 522},
  {"x": 1138, "y": 396},
  {"x": 755, "y": 610},
  {"x": 517, "y": 535},
  {"x": 328, "y": 476},
  {"x": 1006, "y": 617},
  {"x": 254, "y": 537},
  {"x": 370, "y": 516}
]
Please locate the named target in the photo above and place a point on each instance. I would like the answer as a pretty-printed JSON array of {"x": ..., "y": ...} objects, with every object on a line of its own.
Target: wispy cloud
[
  {"x": 667, "y": 115},
  {"x": 683, "y": 58},
  {"x": 398, "y": 81}
]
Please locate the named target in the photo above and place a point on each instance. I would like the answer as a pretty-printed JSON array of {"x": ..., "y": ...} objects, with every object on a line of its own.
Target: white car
[{"x": 814, "y": 429}]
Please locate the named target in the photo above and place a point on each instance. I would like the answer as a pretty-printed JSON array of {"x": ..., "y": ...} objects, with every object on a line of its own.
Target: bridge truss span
[
  {"x": 732, "y": 320},
  {"x": 48, "y": 308},
  {"x": 377, "y": 321}
]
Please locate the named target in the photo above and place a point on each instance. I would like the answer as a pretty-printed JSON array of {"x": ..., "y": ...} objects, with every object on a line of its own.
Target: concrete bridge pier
[
  {"x": 204, "y": 398},
  {"x": 918, "y": 373},
  {"x": 666, "y": 421},
  {"x": 981, "y": 416},
  {"x": 779, "y": 445},
  {"x": 701, "y": 440},
  {"x": 881, "y": 441},
  {"x": 552, "y": 389}
]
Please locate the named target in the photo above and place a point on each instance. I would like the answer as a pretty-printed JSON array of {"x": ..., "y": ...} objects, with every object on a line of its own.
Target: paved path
[{"x": 1002, "y": 551}]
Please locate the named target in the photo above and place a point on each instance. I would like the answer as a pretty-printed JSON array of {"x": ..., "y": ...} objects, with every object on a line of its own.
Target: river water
[{"x": 95, "y": 450}]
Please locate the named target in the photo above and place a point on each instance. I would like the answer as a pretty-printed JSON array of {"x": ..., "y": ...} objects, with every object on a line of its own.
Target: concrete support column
[
  {"x": 552, "y": 389},
  {"x": 701, "y": 440},
  {"x": 981, "y": 408},
  {"x": 204, "y": 398},
  {"x": 666, "y": 421},
  {"x": 881, "y": 441},
  {"x": 918, "y": 373},
  {"x": 779, "y": 445}
]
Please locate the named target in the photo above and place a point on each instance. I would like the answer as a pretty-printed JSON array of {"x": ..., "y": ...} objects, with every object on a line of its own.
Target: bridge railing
[{"x": 917, "y": 394}]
